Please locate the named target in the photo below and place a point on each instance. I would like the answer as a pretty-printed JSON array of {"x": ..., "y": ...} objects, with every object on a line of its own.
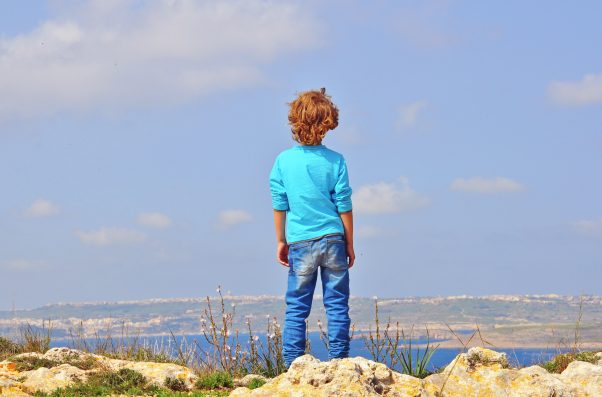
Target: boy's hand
[
  {"x": 282, "y": 253},
  {"x": 350, "y": 255}
]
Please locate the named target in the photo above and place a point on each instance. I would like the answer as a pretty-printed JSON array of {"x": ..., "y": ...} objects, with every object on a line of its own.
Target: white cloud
[
  {"x": 387, "y": 198},
  {"x": 21, "y": 264},
  {"x": 128, "y": 53},
  {"x": 590, "y": 226},
  {"x": 486, "y": 185},
  {"x": 156, "y": 220},
  {"x": 576, "y": 93},
  {"x": 229, "y": 218},
  {"x": 41, "y": 208},
  {"x": 367, "y": 231},
  {"x": 408, "y": 114},
  {"x": 110, "y": 236}
]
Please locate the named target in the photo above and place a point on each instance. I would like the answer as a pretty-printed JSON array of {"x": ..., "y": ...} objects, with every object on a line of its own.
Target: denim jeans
[{"x": 329, "y": 254}]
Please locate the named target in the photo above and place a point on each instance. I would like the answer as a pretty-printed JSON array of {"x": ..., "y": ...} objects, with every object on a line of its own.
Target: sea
[{"x": 441, "y": 357}]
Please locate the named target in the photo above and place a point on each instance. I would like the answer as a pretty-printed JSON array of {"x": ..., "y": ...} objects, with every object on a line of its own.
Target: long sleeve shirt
[{"x": 311, "y": 184}]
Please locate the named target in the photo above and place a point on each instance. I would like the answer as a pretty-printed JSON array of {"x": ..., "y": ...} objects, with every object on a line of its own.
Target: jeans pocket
[
  {"x": 336, "y": 255},
  {"x": 300, "y": 260}
]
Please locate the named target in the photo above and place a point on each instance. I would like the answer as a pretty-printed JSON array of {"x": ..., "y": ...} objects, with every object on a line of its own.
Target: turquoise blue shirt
[{"x": 311, "y": 184}]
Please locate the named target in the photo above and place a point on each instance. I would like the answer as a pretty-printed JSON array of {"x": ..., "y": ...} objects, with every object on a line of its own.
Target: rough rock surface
[
  {"x": 479, "y": 372},
  {"x": 246, "y": 380},
  {"x": 356, "y": 376},
  {"x": 15, "y": 383},
  {"x": 583, "y": 379},
  {"x": 50, "y": 379}
]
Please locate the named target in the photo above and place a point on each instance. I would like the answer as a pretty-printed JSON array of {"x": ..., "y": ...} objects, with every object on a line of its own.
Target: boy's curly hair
[{"x": 311, "y": 116}]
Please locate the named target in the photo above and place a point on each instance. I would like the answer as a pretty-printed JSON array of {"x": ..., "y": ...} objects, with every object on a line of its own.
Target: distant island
[{"x": 504, "y": 321}]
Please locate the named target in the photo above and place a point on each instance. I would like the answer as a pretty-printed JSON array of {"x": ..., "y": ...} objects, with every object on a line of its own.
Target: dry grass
[{"x": 391, "y": 345}]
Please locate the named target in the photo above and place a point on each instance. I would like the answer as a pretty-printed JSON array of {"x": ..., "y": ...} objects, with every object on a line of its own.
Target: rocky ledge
[
  {"x": 72, "y": 365},
  {"x": 479, "y": 372}
]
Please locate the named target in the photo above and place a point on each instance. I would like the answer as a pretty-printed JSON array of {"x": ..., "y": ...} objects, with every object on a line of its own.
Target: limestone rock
[
  {"x": 583, "y": 379},
  {"x": 50, "y": 379},
  {"x": 484, "y": 372},
  {"x": 479, "y": 372},
  {"x": 65, "y": 354},
  {"x": 65, "y": 374},
  {"x": 247, "y": 379},
  {"x": 154, "y": 372},
  {"x": 6, "y": 367},
  {"x": 9, "y": 379},
  {"x": 347, "y": 377},
  {"x": 12, "y": 391},
  {"x": 599, "y": 357},
  {"x": 480, "y": 356}
]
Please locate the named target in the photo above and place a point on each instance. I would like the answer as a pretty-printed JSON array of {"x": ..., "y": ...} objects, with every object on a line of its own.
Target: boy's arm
[
  {"x": 280, "y": 206},
  {"x": 282, "y": 246},
  {"x": 347, "y": 218}
]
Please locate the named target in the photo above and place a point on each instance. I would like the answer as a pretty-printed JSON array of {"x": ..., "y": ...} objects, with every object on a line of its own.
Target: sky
[{"x": 136, "y": 139}]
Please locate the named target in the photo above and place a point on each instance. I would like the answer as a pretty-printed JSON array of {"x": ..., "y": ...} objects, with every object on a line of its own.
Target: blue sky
[{"x": 136, "y": 138}]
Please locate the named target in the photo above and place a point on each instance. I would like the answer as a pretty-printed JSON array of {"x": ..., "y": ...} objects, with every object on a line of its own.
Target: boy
[{"x": 311, "y": 195}]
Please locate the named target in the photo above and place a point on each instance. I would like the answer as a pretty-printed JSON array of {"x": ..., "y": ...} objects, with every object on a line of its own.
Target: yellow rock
[
  {"x": 8, "y": 366},
  {"x": 13, "y": 392},
  {"x": 63, "y": 375},
  {"x": 478, "y": 373}
]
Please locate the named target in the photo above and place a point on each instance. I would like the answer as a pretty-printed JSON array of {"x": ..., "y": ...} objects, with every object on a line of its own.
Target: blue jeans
[{"x": 329, "y": 254}]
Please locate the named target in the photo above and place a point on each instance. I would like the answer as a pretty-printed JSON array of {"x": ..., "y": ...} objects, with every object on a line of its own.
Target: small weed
[
  {"x": 561, "y": 361},
  {"x": 390, "y": 345},
  {"x": 256, "y": 383},
  {"x": 223, "y": 350},
  {"x": 8, "y": 347},
  {"x": 216, "y": 380},
  {"x": 36, "y": 339}
]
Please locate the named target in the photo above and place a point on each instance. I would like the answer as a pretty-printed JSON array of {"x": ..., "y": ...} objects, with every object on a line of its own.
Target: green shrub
[
  {"x": 118, "y": 381},
  {"x": 104, "y": 383},
  {"x": 28, "y": 363},
  {"x": 77, "y": 390},
  {"x": 171, "y": 393},
  {"x": 561, "y": 361},
  {"x": 256, "y": 383},
  {"x": 85, "y": 363},
  {"x": 216, "y": 380},
  {"x": 175, "y": 384}
]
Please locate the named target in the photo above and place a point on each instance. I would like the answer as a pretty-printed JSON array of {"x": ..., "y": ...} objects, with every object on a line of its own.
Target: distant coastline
[{"x": 504, "y": 321}]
